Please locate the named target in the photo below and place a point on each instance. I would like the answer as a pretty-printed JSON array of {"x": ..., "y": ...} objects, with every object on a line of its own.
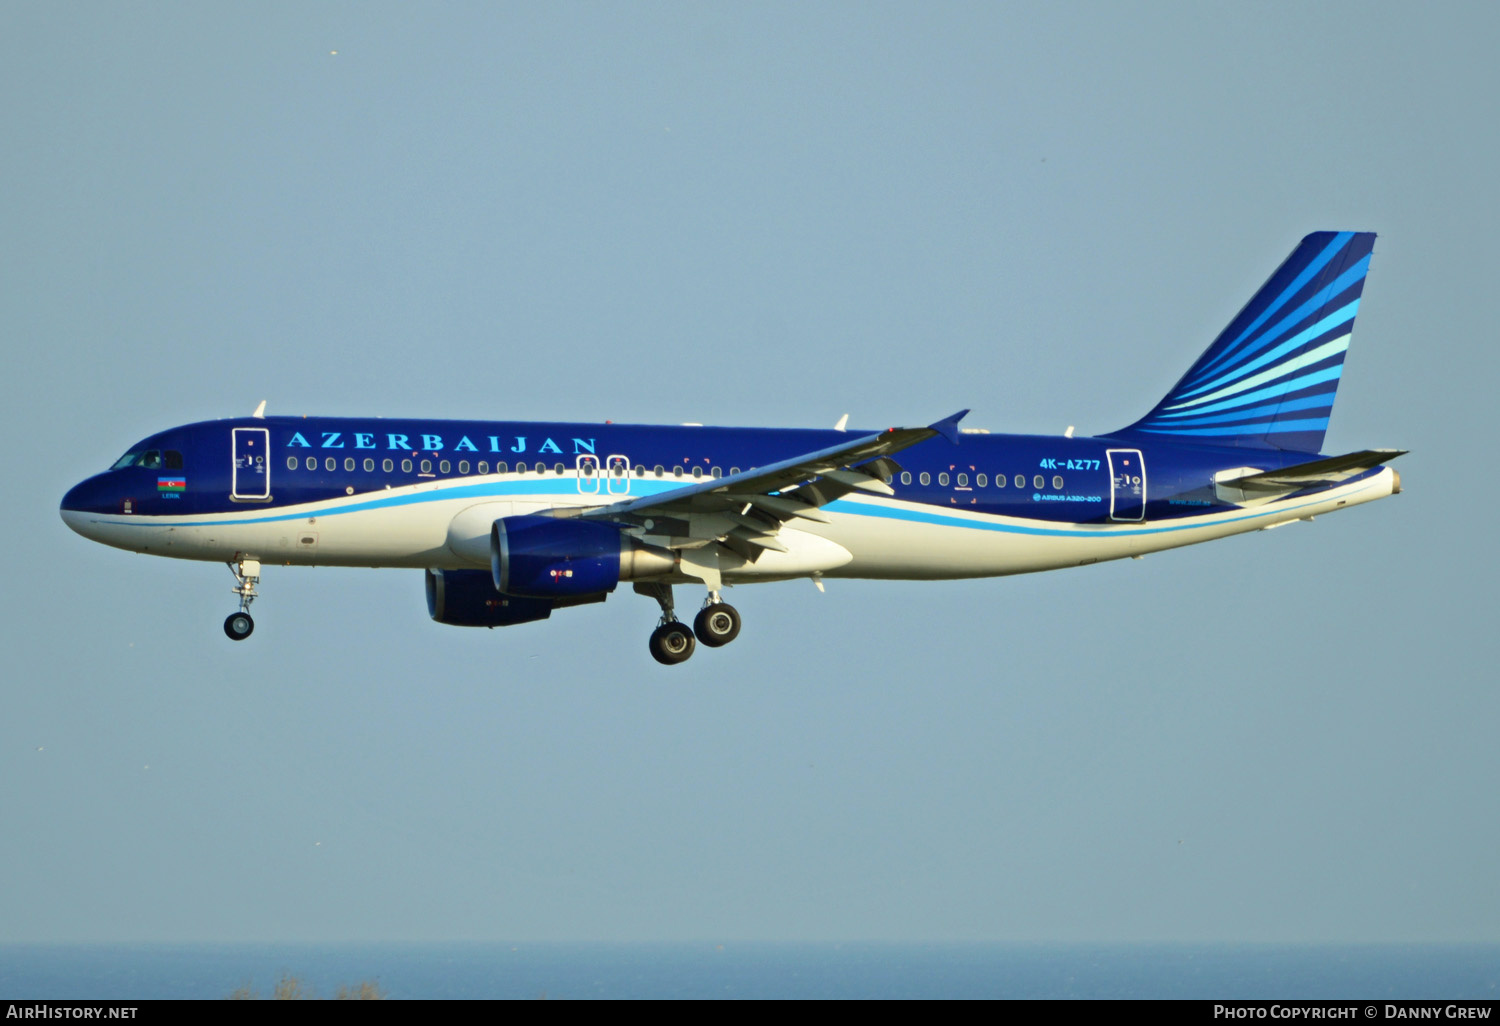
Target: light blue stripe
[
  {"x": 1334, "y": 320},
  {"x": 1271, "y": 391},
  {"x": 1307, "y": 403},
  {"x": 1339, "y": 287},
  {"x": 1319, "y": 262}
]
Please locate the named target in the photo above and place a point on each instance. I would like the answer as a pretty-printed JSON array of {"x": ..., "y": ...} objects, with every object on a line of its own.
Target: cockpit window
[
  {"x": 174, "y": 459},
  {"x": 141, "y": 458}
]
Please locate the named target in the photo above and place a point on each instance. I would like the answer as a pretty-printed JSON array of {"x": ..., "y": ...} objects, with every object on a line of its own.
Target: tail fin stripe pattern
[
  {"x": 1320, "y": 424},
  {"x": 1349, "y": 278},
  {"x": 1317, "y": 264},
  {"x": 1311, "y": 402},
  {"x": 1334, "y": 347},
  {"x": 1270, "y": 378},
  {"x": 1307, "y": 381}
]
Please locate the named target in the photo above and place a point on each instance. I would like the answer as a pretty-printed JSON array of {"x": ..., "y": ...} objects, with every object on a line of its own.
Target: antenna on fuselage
[{"x": 260, "y": 411}]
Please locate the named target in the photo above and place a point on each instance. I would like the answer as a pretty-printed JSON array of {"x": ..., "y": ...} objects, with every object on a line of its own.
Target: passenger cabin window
[
  {"x": 924, "y": 478},
  {"x": 981, "y": 480},
  {"x": 426, "y": 466},
  {"x": 500, "y": 468},
  {"x": 541, "y": 468},
  {"x": 387, "y": 466},
  {"x": 330, "y": 464},
  {"x": 657, "y": 470},
  {"x": 291, "y": 463},
  {"x": 963, "y": 480},
  {"x": 369, "y": 464},
  {"x": 558, "y": 469},
  {"x": 1039, "y": 482},
  {"x": 734, "y": 470},
  {"x": 676, "y": 471},
  {"x": 697, "y": 473},
  {"x": 444, "y": 467},
  {"x": 349, "y": 464},
  {"x": 906, "y": 477},
  {"x": 406, "y": 466},
  {"x": 312, "y": 463},
  {"x": 463, "y": 466},
  {"x": 484, "y": 467},
  {"x": 640, "y": 471},
  {"x": 943, "y": 478},
  {"x": 1020, "y": 480},
  {"x": 1057, "y": 483},
  {"x": 718, "y": 472}
]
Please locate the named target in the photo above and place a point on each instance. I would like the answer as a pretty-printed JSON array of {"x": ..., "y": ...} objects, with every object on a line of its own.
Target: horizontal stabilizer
[
  {"x": 1330, "y": 470},
  {"x": 1250, "y": 486}
]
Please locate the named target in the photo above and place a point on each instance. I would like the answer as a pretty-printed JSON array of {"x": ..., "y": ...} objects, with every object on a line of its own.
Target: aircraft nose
[{"x": 94, "y": 495}]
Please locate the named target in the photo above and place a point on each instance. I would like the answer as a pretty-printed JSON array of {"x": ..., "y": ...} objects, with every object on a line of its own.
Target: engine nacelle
[
  {"x": 467, "y": 598},
  {"x": 544, "y": 557}
]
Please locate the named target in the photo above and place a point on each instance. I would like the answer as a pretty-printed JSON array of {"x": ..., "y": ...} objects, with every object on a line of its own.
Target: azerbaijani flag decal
[{"x": 171, "y": 484}]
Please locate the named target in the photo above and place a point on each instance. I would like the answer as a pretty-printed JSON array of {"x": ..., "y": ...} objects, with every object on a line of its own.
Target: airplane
[{"x": 511, "y": 521}]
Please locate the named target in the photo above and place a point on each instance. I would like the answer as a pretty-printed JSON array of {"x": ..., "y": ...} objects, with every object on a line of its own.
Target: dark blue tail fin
[{"x": 1269, "y": 379}]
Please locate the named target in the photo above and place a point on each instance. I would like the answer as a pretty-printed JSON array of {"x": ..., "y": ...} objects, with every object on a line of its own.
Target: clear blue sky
[{"x": 766, "y": 214}]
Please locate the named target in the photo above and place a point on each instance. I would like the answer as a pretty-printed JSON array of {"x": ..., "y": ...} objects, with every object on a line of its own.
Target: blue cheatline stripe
[
  {"x": 1334, "y": 320},
  {"x": 1312, "y": 402},
  {"x": 1319, "y": 262},
  {"x": 1321, "y": 299},
  {"x": 1275, "y": 427},
  {"x": 1281, "y": 388},
  {"x": 842, "y": 506}
]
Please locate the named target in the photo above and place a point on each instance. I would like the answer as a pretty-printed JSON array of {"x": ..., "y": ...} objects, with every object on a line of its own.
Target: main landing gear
[
  {"x": 246, "y": 575},
  {"x": 717, "y": 623}
]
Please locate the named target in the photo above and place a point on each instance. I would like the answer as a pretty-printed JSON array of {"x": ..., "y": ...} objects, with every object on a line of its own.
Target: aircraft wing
[{"x": 744, "y": 511}]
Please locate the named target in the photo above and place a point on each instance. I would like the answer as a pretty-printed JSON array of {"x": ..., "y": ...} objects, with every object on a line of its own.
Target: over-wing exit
[{"x": 513, "y": 520}]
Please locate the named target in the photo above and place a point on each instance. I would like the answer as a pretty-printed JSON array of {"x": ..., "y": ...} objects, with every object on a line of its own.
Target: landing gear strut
[
  {"x": 671, "y": 642},
  {"x": 237, "y": 626}
]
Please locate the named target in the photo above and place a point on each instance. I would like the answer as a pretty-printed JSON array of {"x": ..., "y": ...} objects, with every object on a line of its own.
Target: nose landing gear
[{"x": 237, "y": 626}]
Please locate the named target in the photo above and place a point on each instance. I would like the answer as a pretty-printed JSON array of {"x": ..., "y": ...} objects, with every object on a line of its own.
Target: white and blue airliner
[{"x": 511, "y": 521}]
